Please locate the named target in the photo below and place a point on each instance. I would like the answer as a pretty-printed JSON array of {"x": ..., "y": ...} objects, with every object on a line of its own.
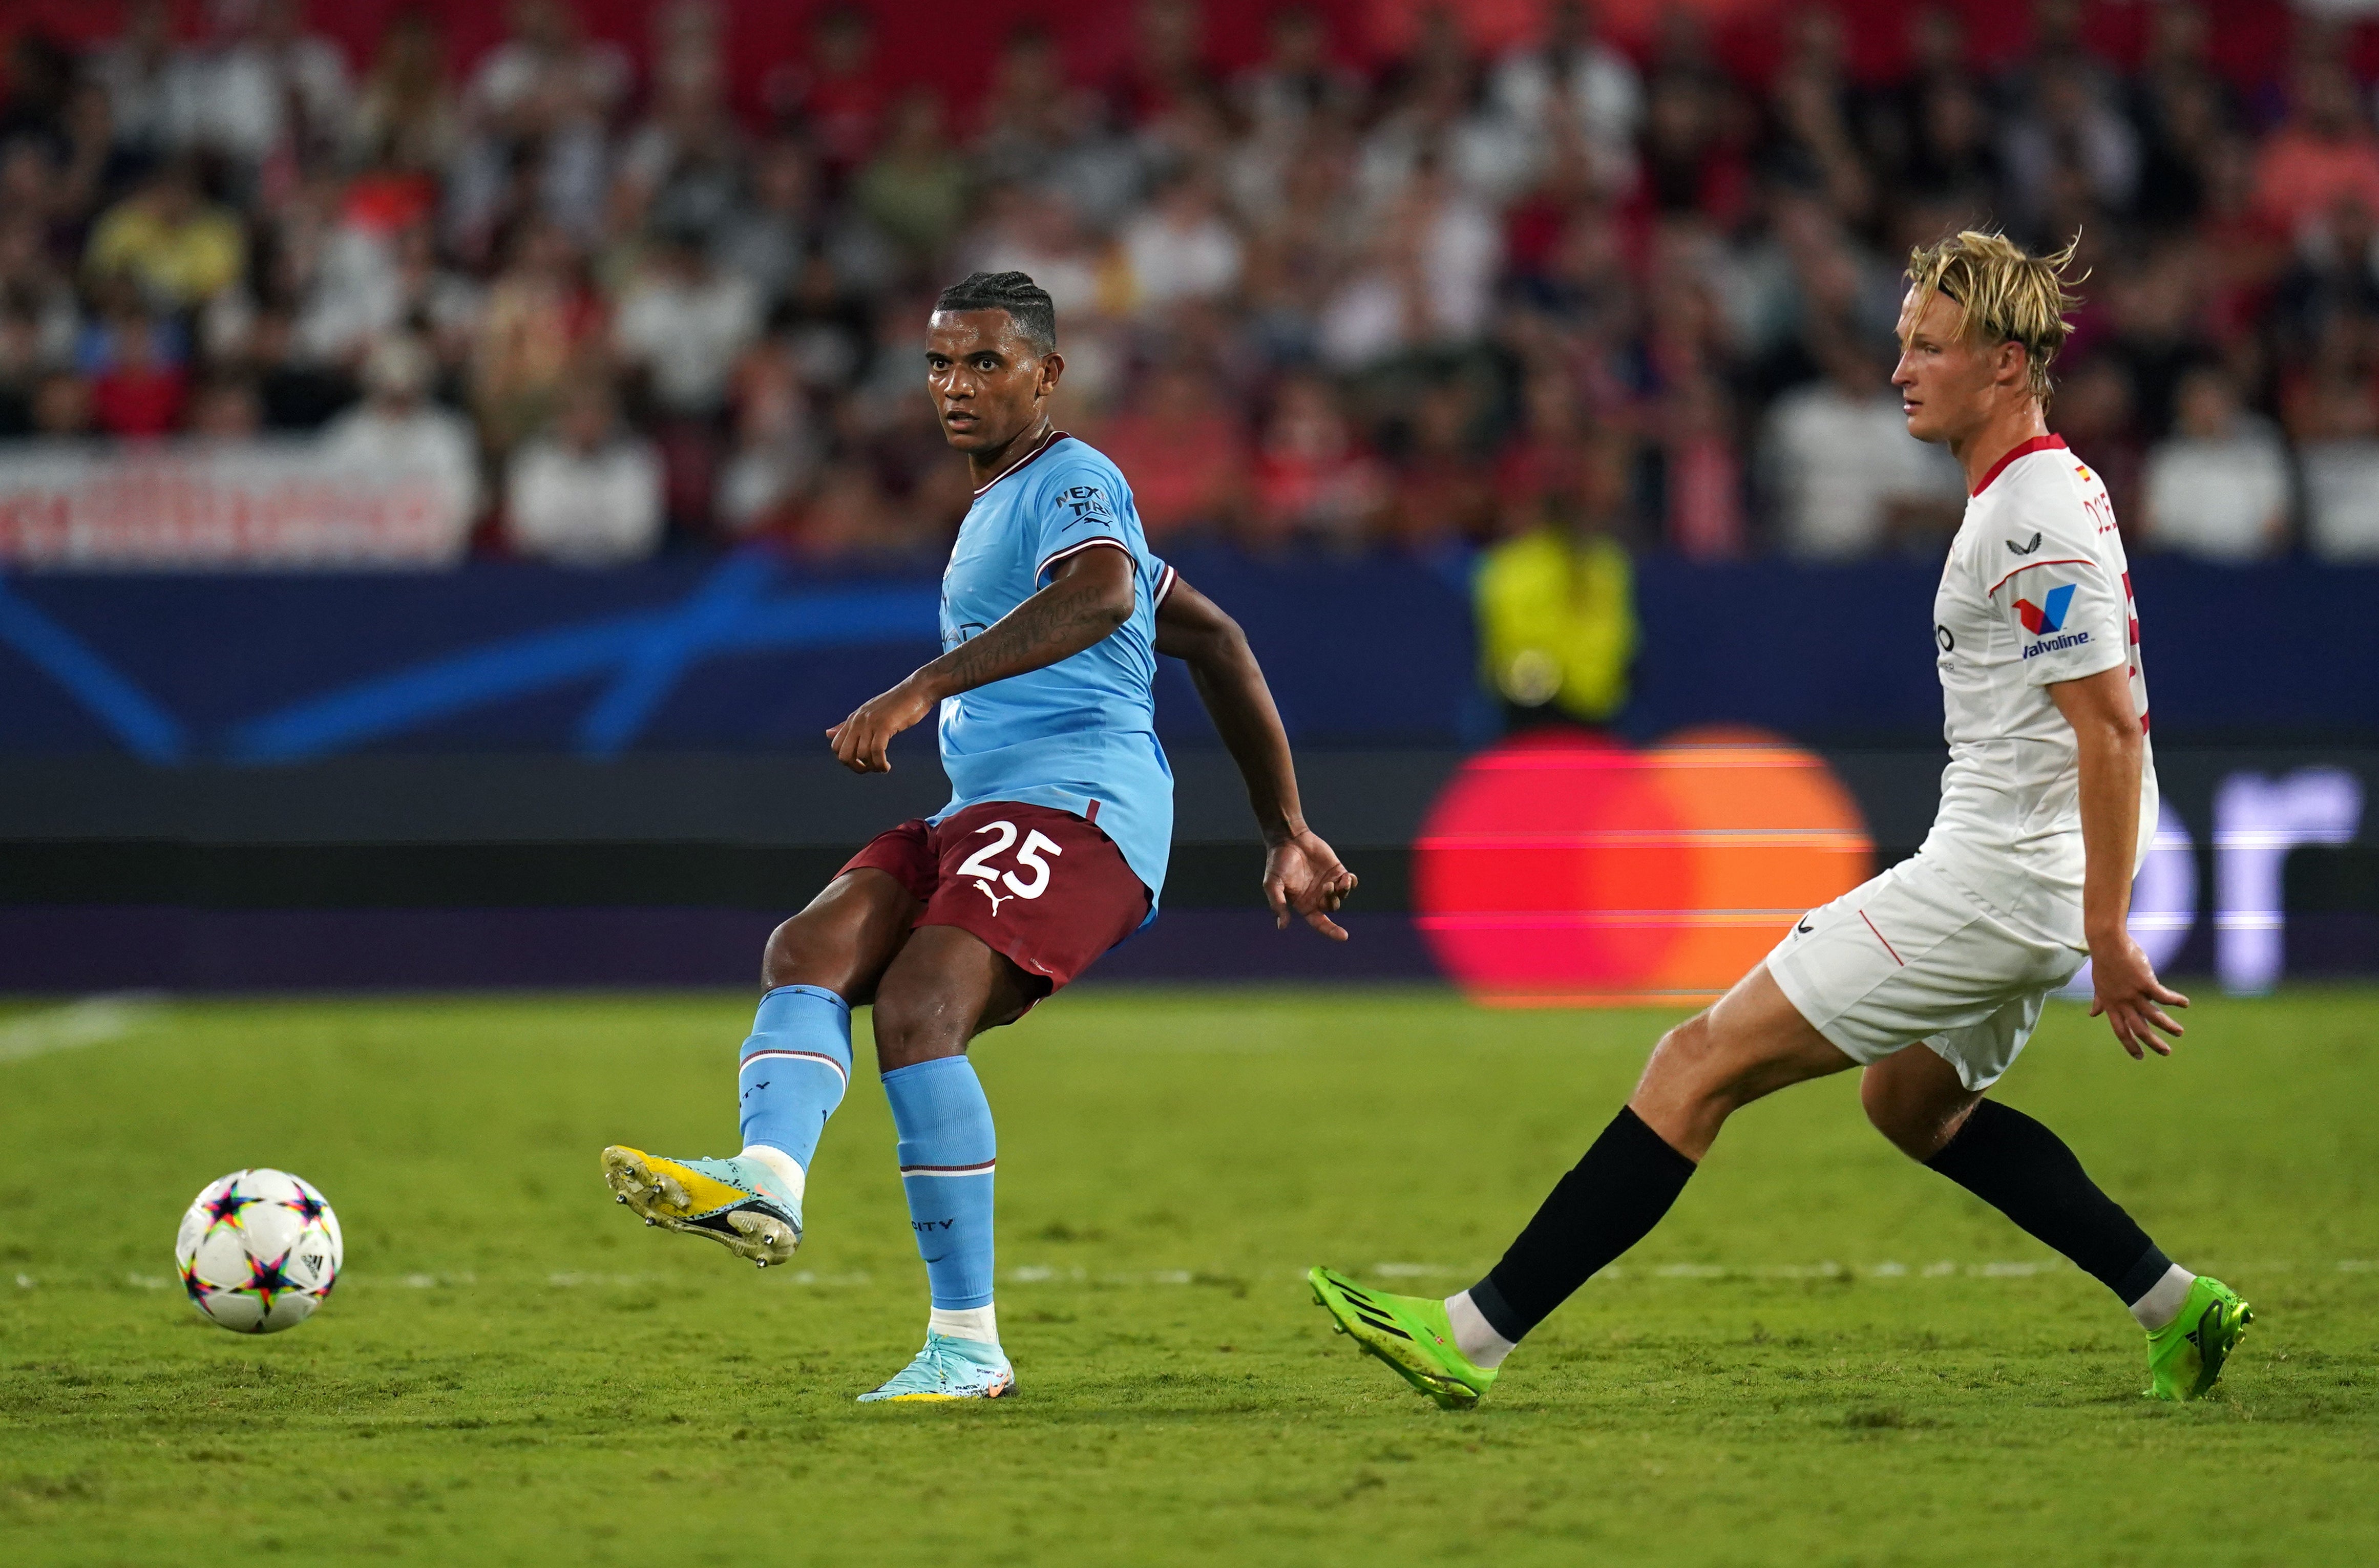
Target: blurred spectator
[
  {"x": 2093, "y": 411},
  {"x": 1297, "y": 82},
  {"x": 1701, "y": 475},
  {"x": 837, "y": 91},
  {"x": 1183, "y": 451},
  {"x": 2340, "y": 450},
  {"x": 546, "y": 66},
  {"x": 1544, "y": 455},
  {"x": 226, "y": 410},
  {"x": 2075, "y": 135},
  {"x": 1029, "y": 113},
  {"x": 1444, "y": 488},
  {"x": 1576, "y": 85},
  {"x": 686, "y": 322},
  {"x": 21, "y": 365},
  {"x": 2218, "y": 488},
  {"x": 260, "y": 86},
  {"x": 587, "y": 494},
  {"x": 540, "y": 315},
  {"x": 1437, "y": 114},
  {"x": 776, "y": 451},
  {"x": 2324, "y": 153},
  {"x": 32, "y": 288},
  {"x": 1556, "y": 605},
  {"x": 135, "y": 71},
  {"x": 406, "y": 115},
  {"x": 535, "y": 142},
  {"x": 1314, "y": 478},
  {"x": 299, "y": 392},
  {"x": 178, "y": 248},
  {"x": 1180, "y": 247},
  {"x": 2183, "y": 110},
  {"x": 915, "y": 189},
  {"x": 62, "y": 406},
  {"x": 682, "y": 171},
  {"x": 397, "y": 427},
  {"x": 138, "y": 379},
  {"x": 1429, "y": 281},
  {"x": 379, "y": 276},
  {"x": 764, "y": 239},
  {"x": 1846, "y": 476}
]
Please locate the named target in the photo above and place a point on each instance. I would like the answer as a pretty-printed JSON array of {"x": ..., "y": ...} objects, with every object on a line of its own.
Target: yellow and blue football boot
[{"x": 737, "y": 1202}]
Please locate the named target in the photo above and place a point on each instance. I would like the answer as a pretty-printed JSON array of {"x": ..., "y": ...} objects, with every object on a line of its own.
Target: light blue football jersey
[{"x": 1078, "y": 735}]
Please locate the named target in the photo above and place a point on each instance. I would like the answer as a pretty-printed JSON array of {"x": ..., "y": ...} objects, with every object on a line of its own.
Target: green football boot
[
  {"x": 2185, "y": 1356},
  {"x": 737, "y": 1202},
  {"x": 1410, "y": 1333}
]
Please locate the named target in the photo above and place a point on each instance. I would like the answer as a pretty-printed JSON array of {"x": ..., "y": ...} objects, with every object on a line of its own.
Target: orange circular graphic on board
[{"x": 1560, "y": 869}]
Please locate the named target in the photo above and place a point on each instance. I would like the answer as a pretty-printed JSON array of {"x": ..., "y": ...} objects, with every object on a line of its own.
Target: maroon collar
[
  {"x": 2022, "y": 449},
  {"x": 1052, "y": 438}
]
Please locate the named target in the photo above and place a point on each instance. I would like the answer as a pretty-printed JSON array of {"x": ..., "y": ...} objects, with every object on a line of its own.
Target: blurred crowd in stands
[{"x": 1442, "y": 299}]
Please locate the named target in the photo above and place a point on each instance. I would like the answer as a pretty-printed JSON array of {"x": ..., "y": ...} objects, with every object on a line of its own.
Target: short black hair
[{"x": 1027, "y": 304}]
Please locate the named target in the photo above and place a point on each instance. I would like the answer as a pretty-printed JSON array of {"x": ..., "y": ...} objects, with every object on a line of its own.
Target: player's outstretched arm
[
  {"x": 2112, "y": 752},
  {"x": 1090, "y": 593},
  {"x": 1302, "y": 875}
]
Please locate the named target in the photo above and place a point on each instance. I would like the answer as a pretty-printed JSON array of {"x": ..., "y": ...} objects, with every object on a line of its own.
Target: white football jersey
[{"x": 2036, "y": 591}]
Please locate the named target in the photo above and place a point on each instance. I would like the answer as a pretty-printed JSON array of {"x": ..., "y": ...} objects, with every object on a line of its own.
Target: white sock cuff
[
  {"x": 2165, "y": 1299},
  {"x": 785, "y": 1167},
  {"x": 978, "y": 1323},
  {"x": 1472, "y": 1333}
]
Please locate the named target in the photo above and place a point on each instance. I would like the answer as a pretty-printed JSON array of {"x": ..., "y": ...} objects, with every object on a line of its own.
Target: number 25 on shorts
[{"x": 1036, "y": 844}]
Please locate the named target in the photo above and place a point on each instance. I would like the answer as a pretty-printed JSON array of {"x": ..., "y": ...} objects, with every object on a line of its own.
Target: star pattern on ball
[
  {"x": 190, "y": 1283},
  {"x": 306, "y": 1206},
  {"x": 267, "y": 1278},
  {"x": 223, "y": 1208}
]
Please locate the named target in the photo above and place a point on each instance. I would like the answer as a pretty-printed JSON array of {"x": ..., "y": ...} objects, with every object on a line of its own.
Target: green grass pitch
[{"x": 1827, "y": 1356}]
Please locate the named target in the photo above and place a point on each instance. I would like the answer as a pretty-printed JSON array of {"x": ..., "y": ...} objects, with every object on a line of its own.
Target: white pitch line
[{"x": 95, "y": 1020}]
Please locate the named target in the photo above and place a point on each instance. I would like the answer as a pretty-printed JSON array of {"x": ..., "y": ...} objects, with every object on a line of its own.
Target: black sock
[
  {"x": 2026, "y": 1173},
  {"x": 1603, "y": 1207}
]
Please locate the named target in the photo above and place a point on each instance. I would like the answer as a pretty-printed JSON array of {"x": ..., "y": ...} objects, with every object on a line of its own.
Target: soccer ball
[{"x": 259, "y": 1250}]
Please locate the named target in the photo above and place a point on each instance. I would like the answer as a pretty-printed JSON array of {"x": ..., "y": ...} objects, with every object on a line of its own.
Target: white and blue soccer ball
[{"x": 259, "y": 1250}]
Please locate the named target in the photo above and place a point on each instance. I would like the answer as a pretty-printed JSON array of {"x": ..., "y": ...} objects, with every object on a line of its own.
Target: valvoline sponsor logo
[
  {"x": 2047, "y": 619},
  {"x": 2041, "y": 620}
]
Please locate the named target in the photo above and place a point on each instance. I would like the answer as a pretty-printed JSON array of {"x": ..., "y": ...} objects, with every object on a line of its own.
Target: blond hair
[{"x": 2003, "y": 294}]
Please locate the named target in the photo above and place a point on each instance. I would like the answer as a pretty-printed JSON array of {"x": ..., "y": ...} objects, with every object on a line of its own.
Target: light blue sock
[
  {"x": 796, "y": 1065},
  {"x": 947, "y": 1152}
]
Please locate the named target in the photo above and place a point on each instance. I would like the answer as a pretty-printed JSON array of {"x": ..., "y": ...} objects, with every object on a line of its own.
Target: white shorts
[{"x": 1912, "y": 958}]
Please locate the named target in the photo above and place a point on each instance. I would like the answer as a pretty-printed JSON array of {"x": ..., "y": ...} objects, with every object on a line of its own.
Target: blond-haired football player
[{"x": 1930, "y": 977}]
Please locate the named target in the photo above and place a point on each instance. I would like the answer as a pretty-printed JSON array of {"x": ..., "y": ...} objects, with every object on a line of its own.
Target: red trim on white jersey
[
  {"x": 1886, "y": 945},
  {"x": 2022, "y": 449},
  {"x": 2061, "y": 560},
  {"x": 1052, "y": 438},
  {"x": 1109, "y": 540}
]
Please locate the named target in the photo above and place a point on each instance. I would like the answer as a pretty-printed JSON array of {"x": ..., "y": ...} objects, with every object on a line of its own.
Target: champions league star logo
[{"x": 2040, "y": 620}]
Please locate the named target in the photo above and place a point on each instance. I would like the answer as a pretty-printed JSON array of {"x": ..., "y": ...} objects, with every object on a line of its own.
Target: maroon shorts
[{"x": 1041, "y": 886}]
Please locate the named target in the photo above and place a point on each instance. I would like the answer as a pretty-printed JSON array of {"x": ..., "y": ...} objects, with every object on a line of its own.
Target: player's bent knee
[
  {"x": 1917, "y": 1100},
  {"x": 1686, "y": 1064},
  {"x": 801, "y": 952},
  {"x": 917, "y": 1023}
]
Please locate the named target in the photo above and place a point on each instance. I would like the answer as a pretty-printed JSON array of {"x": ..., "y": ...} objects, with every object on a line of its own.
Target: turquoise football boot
[{"x": 949, "y": 1369}]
